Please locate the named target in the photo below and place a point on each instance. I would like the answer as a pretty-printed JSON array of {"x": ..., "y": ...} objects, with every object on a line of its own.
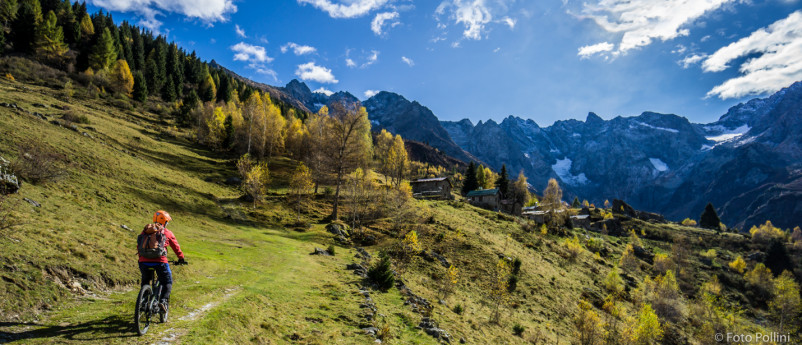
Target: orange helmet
[{"x": 162, "y": 217}]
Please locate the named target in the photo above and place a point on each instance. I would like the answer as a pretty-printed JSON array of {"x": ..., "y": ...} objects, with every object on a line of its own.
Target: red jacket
[{"x": 172, "y": 242}]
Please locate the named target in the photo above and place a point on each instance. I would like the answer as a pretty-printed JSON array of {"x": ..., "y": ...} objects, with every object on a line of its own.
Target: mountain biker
[{"x": 160, "y": 264}]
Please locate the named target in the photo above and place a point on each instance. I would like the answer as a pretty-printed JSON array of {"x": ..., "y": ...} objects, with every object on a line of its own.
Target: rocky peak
[{"x": 593, "y": 119}]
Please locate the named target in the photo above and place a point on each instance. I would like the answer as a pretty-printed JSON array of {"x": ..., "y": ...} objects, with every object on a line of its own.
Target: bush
[
  {"x": 512, "y": 283},
  {"x": 767, "y": 233},
  {"x": 518, "y": 330},
  {"x": 689, "y": 222},
  {"x": 573, "y": 248},
  {"x": 75, "y": 118},
  {"x": 516, "y": 266},
  {"x": 457, "y": 309},
  {"x": 381, "y": 273},
  {"x": 662, "y": 263},
  {"x": 596, "y": 245},
  {"x": 331, "y": 250},
  {"x": 38, "y": 163},
  {"x": 738, "y": 265}
]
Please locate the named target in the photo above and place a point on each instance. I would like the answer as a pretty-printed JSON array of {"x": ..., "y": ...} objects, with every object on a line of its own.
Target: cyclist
[{"x": 159, "y": 262}]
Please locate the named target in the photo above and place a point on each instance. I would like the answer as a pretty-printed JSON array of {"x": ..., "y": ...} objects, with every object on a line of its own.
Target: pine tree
[
  {"x": 481, "y": 178},
  {"x": 138, "y": 50},
  {"x": 575, "y": 203},
  {"x": 50, "y": 39},
  {"x": 470, "y": 183},
  {"x": 709, "y": 218},
  {"x": 191, "y": 101},
  {"x": 382, "y": 273},
  {"x": 140, "y": 87},
  {"x": 87, "y": 28},
  {"x": 104, "y": 53},
  {"x": 69, "y": 24},
  {"x": 8, "y": 11},
  {"x": 503, "y": 182},
  {"x": 777, "y": 258},
  {"x": 24, "y": 27},
  {"x": 168, "y": 91}
]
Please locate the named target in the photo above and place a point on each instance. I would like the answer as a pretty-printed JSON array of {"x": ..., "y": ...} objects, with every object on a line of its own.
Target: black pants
[{"x": 164, "y": 274}]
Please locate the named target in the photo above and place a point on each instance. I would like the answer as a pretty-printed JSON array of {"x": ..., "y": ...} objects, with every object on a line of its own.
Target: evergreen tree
[
  {"x": 69, "y": 24},
  {"x": 709, "y": 218},
  {"x": 8, "y": 11},
  {"x": 138, "y": 50},
  {"x": 87, "y": 28},
  {"x": 24, "y": 27},
  {"x": 481, "y": 177},
  {"x": 470, "y": 183},
  {"x": 104, "y": 52},
  {"x": 2, "y": 40},
  {"x": 382, "y": 273},
  {"x": 140, "y": 87},
  {"x": 191, "y": 101},
  {"x": 503, "y": 182},
  {"x": 575, "y": 203},
  {"x": 777, "y": 259},
  {"x": 50, "y": 39},
  {"x": 225, "y": 90},
  {"x": 168, "y": 92}
]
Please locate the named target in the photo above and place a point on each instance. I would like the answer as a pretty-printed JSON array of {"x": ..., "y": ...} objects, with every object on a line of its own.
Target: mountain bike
[{"x": 147, "y": 303}]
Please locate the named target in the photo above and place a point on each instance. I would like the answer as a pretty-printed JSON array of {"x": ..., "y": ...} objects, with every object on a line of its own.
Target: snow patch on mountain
[
  {"x": 658, "y": 164},
  {"x": 563, "y": 169},
  {"x": 729, "y": 134},
  {"x": 655, "y": 127}
]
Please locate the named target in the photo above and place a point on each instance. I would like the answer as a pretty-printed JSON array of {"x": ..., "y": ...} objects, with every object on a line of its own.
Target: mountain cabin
[
  {"x": 432, "y": 188},
  {"x": 485, "y": 198}
]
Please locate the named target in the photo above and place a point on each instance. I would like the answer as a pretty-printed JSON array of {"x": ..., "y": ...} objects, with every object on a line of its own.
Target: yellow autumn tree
[
  {"x": 738, "y": 265},
  {"x": 216, "y": 131},
  {"x": 295, "y": 138},
  {"x": 300, "y": 183},
  {"x": 272, "y": 127},
  {"x": 785, "y": 306},
  {"x": 122, "y": 77},
  {"x": 498, "y": 288}
]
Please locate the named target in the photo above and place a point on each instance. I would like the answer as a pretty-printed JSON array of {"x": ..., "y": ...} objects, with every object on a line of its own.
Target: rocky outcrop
[{"x": 9, "y": 183}]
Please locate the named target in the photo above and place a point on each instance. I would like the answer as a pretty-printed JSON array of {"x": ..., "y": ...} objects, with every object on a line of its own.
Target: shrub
[
  {"x": 662, "y": 263},
  {"x": 663, "y": 294},
  {"x": 767, "y": 233},
  {"x": 613, "y": 282},
  {"x": 647, "y": 328},
  {"x": 628, "y": 260},
  {"x": 512, "y": 283},
  {"x": 518, "y": 330},
  {"x": 595, "y": 244},
  {"x": 689, "y": 222},
  {"x": 516, "y": 266},
  {"x": 331, "y": 249},
  {"x": 457, "y": 309},
  {"x": 75, "y": 118},
  {"x": 589, "y": 326},
  {"x": 384, "y": 333},
  {"x": 572, "y": 248},
  {"x": 760, "y": 279},
  {"x": 38, "y": 163},
  {"x": 738, "y": 265},
  {"x": 381, "y": 273}
]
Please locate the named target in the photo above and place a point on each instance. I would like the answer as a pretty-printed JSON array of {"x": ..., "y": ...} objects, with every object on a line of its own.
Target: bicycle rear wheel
[{"x": 143, "y": 313}]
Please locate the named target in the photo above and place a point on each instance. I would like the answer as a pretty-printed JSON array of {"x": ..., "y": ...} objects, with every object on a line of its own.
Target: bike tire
[{"x": 142, "y": 313}]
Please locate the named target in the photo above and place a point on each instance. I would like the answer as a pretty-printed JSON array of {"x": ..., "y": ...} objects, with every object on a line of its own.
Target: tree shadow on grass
[{"x": 110, "y": 327}]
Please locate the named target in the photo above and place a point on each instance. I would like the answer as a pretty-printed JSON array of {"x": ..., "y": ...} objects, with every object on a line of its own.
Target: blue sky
[{"x": 486, "y": 59}]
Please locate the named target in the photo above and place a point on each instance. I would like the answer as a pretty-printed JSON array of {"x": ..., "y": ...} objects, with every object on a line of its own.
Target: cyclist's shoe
[{"x": 163, "y": 306}]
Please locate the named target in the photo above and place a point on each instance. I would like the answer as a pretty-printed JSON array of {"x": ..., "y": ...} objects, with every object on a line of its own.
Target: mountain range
[{"x": 747, "y": 163}]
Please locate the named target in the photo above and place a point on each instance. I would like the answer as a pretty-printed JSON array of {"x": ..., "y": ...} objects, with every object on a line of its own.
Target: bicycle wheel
[{"x": 143, "y": 309}]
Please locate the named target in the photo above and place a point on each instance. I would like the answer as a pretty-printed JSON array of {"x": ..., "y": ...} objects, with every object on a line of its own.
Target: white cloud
[
  {"x": 320, "y": 74},
  {"x": 691, "y": 60},
  {"x": 298, "y": 49},
  {"x": 474, "y": 15},
  {"x": 266, "y": 71},
  {"x": 587, "y": 51},
  {"x": 346, "y": 8},
  {"x": 350, "y": 63},
  {"x": 509, "y": 21},
  {"x": 408, "y": 61},
  {"x": 324, "y": 91},
  {"x": 641, "y": 21},
  {"x": 240, "y": 31},
  {"x": 370, "y": 93},
  {"x": 374, "y": 56},
  {"x": 249, "y": 52},
  {"x": 208, "y": 11},
  {"x": 378, "y": 22},
  {"x": 779, "y": 63},
  {"x": 497, "y": 49}
]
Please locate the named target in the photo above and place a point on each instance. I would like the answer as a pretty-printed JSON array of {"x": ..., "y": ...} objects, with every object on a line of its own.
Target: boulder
[
  {"x": 338, "y": 229},
  {"x": 363, "y": 254},
  {"x": 430, "y": 327},
  {"x": 33, "y": 203},
  {"x": 643, "y": 254},
  {"x": 9, "y": 183},
  {"x": 756, "y": 256},
  {"x": 319, "y": 251},
  {"x": 619, "y": 206},
  {"x": 614, "y": 227}
]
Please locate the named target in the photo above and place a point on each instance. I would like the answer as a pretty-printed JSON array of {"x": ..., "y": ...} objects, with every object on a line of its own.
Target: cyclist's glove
[{"x": 181, "y": 261}]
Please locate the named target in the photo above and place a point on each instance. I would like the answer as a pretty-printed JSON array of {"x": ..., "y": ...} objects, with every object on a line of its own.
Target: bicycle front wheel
[{"x": 142, "y": 313}]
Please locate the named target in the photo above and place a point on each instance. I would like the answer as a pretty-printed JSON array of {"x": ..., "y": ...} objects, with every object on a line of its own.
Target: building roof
[
  {"x": 430, "y": 179},
  {"x": 483, "y": 192},
  {"x": 581, "y": 216}
]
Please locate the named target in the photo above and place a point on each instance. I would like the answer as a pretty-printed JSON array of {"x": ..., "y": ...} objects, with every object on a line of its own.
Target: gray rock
[
  {"x": 363, "y": 254},
  {"x": 319, "y": 251},
  {"x": 370, "y": 331},
  {"x": 757, "y": 256},
  {"x": 462, "y": 340},
  {"x": 337, "y": 229},
  {"x": 33, "y": 203},
  {"x": 125, "y": 227},
  {"x": 9, "y": 183},
  {"x": 442, "y": 259}
]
